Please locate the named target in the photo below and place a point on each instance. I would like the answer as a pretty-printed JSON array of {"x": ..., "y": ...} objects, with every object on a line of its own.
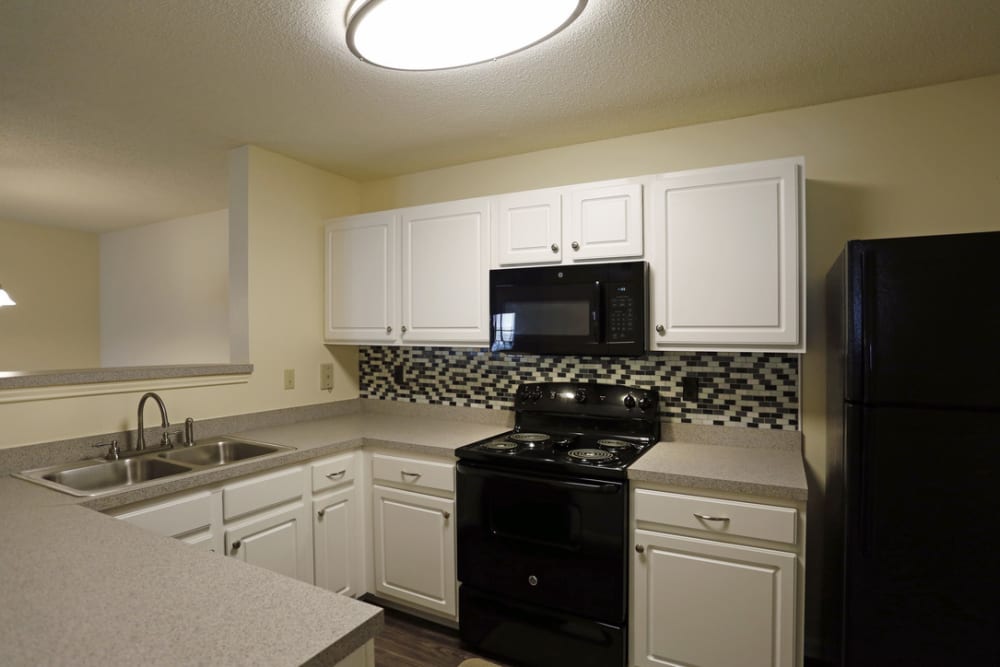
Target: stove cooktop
[{"x": 567, "y": 453}]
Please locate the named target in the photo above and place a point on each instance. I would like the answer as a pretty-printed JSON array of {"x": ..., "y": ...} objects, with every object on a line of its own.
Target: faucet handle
[
  {"x": 189, "y": 431},
  {"x": 165, "y": 440},
  {"x": 113, "y": 452}
]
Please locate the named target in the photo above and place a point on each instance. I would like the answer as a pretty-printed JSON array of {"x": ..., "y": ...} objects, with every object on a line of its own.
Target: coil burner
[
  {"x": 614, "y": 445},
  {"x": 530, "y": 438},
  {"x": 590, "y": 455},
  {"x": 500, "y": 445}
]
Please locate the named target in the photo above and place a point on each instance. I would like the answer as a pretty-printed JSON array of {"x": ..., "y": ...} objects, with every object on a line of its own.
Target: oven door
[
  {"x": 547, "y": 317},
  {"x": 550, "y": 541}
]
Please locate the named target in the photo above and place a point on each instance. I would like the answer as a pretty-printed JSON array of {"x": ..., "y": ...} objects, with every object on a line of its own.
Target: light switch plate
[
  {"x": 289, "y": 378},
  {"x": 326, "y": 376}
]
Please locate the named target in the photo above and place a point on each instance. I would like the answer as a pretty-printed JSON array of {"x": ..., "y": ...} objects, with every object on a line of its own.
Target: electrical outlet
[
  {"x": 289, "y": 378},
  {"x": 690, "y": 387},
  {"x": 399, "y": 375},
  {"x": 326, "y": 376}
]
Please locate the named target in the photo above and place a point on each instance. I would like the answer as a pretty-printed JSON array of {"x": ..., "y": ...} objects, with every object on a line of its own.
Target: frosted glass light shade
[
  {"x": 5, "y": 299},
  {"x": 440, "y": 34}
]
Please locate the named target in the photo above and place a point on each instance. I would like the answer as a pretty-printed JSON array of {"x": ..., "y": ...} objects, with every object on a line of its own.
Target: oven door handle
[{"x": 575, "y": 485}]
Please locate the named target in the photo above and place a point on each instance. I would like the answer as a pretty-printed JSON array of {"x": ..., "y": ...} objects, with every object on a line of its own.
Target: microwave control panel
[{"x": 623, "y": 325}]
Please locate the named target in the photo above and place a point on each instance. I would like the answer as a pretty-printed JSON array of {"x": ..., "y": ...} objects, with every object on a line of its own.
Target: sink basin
[
  {"x": 101, "y": 476},
  {"x": 220, "y": 452},
  {"x": 96, "y": 477}
]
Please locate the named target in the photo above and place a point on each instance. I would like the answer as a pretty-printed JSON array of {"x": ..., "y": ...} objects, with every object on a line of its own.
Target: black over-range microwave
[{"x": 591, "y": 309}]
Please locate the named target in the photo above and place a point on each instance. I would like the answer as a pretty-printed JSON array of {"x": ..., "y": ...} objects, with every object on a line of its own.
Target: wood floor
[{"x": 407, "y": 641}]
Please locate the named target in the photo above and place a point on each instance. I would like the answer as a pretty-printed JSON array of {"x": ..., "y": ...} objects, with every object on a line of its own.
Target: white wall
[{"x": 165, "y": 292}]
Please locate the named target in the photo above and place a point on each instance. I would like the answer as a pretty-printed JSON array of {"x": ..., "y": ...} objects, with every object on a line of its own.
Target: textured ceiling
[{"x": 120, "y": 112}]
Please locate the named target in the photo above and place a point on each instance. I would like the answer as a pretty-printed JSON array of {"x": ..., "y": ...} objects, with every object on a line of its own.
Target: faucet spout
[{"x": 140, "y": 443}]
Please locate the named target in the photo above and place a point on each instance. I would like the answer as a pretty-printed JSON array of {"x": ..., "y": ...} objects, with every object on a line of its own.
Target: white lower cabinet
[
  {"x": 193, "y": 518},
  {"x": 338, "y": 529},
  {"x": 414, "y": 542},
  {"x": 701, "y": 599},
  {"x": 276, "y": 540}
]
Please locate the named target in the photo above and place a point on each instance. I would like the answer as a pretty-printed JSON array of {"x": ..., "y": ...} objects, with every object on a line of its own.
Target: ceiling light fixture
[
  {"x": 5, "y": 299},
  {"x": 441, "y": 34}
]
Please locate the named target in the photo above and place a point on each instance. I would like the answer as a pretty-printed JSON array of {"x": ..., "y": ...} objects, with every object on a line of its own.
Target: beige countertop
[
  {"x": 83, "y": 588},
  {"x": 771, "y": 473}
]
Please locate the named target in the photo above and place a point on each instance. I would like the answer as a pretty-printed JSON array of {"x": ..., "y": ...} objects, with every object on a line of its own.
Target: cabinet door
[
  {"x": 700, "y": 602},
  {"x": 336, "y": 542},
  {"x": 415, "y": 549},
  {"x": 528, "y": 228},
  {"x": 280, "y": 540},
  {"x": 362, "y": 283},
  {"x": 446, "y": 272},
  {"x": 728, "y": 252},
  {"x": 605, "y": 222},
  {"x": 194, "y": 518}
]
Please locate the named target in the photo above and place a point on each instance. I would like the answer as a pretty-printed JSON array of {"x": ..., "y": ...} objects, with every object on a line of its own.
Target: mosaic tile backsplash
[{"x": 751, "y": 389}]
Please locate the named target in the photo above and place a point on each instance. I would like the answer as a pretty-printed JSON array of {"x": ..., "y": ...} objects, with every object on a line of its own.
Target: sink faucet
[{"x": 141, "y": 441}]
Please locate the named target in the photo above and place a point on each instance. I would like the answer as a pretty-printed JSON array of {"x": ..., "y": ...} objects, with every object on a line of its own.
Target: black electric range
[{"x": 543, "y": 525}]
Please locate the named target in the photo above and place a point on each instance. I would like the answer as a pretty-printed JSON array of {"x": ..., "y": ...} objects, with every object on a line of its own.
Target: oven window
[{"x": 536, "y": 522}]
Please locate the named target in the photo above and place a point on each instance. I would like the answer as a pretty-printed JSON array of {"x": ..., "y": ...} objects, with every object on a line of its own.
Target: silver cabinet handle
[
  {"x": 639, "y": 549},
  {"x": 336, "y": 475},
  {"x": 403, "y": 328},
  {"x": 709, "y": 517},
  {"x": 236, "y": 545},
  {"x": 446, "y": 515},
  {"x": 660, "y": 329},
  {"x": 555, "y": 247},
  {"x": 414, "y": 475},
  {"x": 388, "y": 329},
  {"x": 574, "y": 245}
]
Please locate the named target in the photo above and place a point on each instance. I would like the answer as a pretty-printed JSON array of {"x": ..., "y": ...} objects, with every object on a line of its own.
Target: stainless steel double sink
[{"x": 98, "y": 476}]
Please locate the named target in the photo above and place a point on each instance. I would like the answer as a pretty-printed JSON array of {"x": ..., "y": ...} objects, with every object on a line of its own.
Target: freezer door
[
  {"x": 922, "y": 582},
  {"x": 923, "y": 321}
]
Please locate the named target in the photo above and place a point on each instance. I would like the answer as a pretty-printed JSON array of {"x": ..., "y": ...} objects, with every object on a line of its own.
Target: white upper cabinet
[
  {"x": 445, "y": 264},
  {"x": 362, "y": 279},
  {"x": 529, "y": 228},
  {"x": 596, "y": 221},
  {"x": 727, "y": 270},
  {"x": 605, "y": 222}
]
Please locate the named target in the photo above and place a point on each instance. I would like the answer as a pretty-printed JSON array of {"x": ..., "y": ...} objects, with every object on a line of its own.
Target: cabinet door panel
[
  {"x": 362, "y": 279},
  {"x": 728, "y": 247},
  {"x": 445, "y": 272},
  {"x": 529, "y": 228},
  {"x": 280, "y": 541},
  {"x": 415, "y": 548},
  {"x": 699, "y": 602},
  {"x": 605, "y": 223},
  {"x": 335, "y": 539}
]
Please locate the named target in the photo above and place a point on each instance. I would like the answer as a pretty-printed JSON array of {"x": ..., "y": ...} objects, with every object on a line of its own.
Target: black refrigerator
[{"x": 913, "y": 467}]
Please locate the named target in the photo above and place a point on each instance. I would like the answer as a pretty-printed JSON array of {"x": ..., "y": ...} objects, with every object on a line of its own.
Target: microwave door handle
[{"x": 596, "y": 306}]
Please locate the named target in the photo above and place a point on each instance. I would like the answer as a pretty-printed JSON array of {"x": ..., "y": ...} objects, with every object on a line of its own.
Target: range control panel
[{"x": 592, "y": 399}]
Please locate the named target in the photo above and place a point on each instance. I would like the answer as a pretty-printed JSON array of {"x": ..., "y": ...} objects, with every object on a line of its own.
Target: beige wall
[
  {"x": 916, "y": 162},
  {"x": 52, "y": 274},
  {"x": 286, "y": 205}
]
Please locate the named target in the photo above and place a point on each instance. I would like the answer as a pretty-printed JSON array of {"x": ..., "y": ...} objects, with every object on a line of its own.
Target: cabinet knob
[
  {"x": 660, "y": 329},
  {"x": 403, "y": 328},
  {"x": 574, "y": 245},
  {"x": 236, "y": 545},
  {"x": 388, "y": 329},
  {"x": 414, "y": 475},
  {"x": 336, "y": 475},
  {"x": 321, "y": 513},
  {"x": 532, "y": 580},
  {"x": 639, "y": 549},
  {"x": 446, "y": 515},
  {"x": 555, "y": 247}
]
